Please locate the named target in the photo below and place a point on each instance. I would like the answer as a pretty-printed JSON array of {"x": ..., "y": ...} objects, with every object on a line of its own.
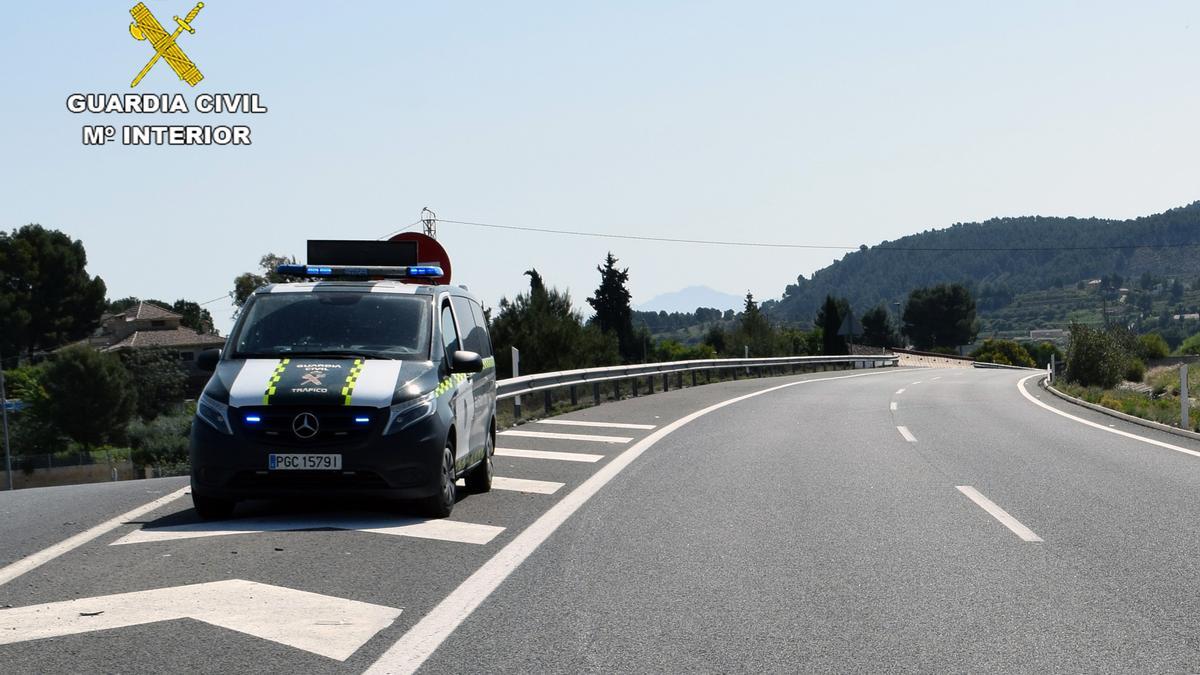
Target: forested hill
[{"x": 887, "y": 272}]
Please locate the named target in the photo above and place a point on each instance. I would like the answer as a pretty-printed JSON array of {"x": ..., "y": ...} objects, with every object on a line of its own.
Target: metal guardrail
[
  {"x": 544, "y": 382},
  {"x": 1004, "y": 366}
]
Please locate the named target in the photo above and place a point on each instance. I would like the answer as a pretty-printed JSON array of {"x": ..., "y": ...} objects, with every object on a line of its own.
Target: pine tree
[{"x": 611, "y": 305}]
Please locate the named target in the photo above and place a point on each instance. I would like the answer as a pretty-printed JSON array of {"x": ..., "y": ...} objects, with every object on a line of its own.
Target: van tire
[
  {"x": 441, "y": 502},
  {"x": 212, "y": 508},
  {"x": 479, "y": 479}
]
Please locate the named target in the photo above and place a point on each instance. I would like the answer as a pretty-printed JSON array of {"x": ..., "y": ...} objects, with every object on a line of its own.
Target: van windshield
[{"x": 371, "y": 325}]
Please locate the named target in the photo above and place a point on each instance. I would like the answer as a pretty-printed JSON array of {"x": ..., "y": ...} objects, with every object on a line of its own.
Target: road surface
[{"x": 881, "y": 520}]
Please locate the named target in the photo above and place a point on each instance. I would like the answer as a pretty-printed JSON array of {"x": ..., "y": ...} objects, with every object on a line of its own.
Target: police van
[{"x": 355, "y": 380}]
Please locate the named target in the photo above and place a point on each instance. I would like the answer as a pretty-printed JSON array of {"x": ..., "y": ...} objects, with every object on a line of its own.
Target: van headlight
[
  {"x": 403, "y": 415},
  {"x": 215, "y": 413}
]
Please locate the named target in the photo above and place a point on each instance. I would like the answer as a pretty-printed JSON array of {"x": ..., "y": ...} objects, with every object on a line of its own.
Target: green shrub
[
  {"x": 1152, "y": 346},
  {"x": 1095, "y": 357},
  {"x": 1135, "y": 370},
  {"x": 1005, "y": 352},
  {"x": 162, "y": 441},
  {"x": 1190, "y": 345}
]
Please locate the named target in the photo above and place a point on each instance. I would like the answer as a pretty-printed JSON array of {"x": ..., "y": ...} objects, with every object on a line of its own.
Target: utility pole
[
  {"x": 429, "y": 222},
  {"x": 4, "y": 415}
]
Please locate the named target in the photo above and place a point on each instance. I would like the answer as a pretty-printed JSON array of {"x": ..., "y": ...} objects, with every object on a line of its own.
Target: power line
[
  {"x": 761, "y": 244},
  {"x": 403, "y": 229},
  {"x": 219, "y": 297}
]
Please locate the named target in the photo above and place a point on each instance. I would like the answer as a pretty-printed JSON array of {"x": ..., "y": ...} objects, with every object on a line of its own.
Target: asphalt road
[{"x": 898, "y": 520}]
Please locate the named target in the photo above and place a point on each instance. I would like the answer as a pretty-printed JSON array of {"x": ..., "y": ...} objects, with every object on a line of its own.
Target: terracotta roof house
[{"x": 147, "y": 325}]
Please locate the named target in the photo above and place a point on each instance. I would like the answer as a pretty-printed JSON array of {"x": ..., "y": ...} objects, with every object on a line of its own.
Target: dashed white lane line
[
  {"x": 907, "y": 434},
  {"x": 894, "y": 406},
  {"x": 1126, "y": 434},
  {"x": 546, "y": 454},
  {"x": 540, "y": 487},
  {"x": 609, "y": 425},
  {"x": 44, "y": 556},
  {"x": 417, "y": 644},
  {"x": 998, "y": 513},
  {"x": 936, "y": 379},
  {"x": 900, "y": 391},
  {"x": 521, "y": 433},
  {"x": 444, "y": 530},
  {"x": 915, "y": 383}
]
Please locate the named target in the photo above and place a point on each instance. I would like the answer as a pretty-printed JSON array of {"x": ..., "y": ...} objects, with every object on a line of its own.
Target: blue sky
[{"x": 825, "y": 123}]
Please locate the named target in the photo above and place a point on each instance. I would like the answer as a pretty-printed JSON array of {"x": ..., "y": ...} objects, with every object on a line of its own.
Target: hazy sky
[{"x": 827, "y": 123}]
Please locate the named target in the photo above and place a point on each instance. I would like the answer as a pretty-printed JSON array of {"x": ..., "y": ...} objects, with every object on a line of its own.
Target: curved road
[{"x": 899, "y": 520}]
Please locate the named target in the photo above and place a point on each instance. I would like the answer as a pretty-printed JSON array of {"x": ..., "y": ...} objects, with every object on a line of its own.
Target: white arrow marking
[
  {"x": 446, "y": 530},
  {"x": 321, "y": 624}
]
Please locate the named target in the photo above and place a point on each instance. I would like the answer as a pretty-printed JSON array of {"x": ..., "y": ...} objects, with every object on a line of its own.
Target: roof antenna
[{"x": 429, "y": 222}]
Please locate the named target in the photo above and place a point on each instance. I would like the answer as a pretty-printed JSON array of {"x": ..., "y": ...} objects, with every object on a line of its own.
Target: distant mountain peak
[{"x": 688, "y": 299}]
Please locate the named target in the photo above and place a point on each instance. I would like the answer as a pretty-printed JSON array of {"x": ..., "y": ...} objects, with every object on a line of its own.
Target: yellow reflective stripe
[
  {"x": 351, "y": 380},
  {"x": 489, "y": 362},
  {"x": 275, "y": 376}
]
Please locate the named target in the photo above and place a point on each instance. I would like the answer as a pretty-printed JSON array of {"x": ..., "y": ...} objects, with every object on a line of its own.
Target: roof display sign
[{"x": 362, "y": 253}]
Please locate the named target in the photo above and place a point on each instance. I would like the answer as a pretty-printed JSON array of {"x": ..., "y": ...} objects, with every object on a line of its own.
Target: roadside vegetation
[{"x": 1108, "y": 367}]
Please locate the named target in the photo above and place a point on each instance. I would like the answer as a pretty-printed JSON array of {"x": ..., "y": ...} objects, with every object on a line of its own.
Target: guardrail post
[
  {"x": 1185, "y": 421},
  {"x": 574, "y": 396},
  {"x": 707, "y": 376},
  {"x": 633, "y": 384},
  {"x": 650, "y": 384},
  {"x": 516, "y": 365},
  {"x": 596, "y": 393},
  {"x": 616, "y": 384},
  {"x": 549, "y": 401},
  {"x": 693, "y": 378},
  {"x": 734, "y": 373},
  {"x": 666, "y": 382}
]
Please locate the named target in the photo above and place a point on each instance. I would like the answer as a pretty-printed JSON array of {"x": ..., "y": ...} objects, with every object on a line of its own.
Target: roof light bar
[{"x": 361, "y": 271}]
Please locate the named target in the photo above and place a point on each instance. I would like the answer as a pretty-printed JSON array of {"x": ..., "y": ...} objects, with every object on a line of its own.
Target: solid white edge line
[
  {"x": 35, "y": 560},
  {"x": 420, "y": 642},
  {"x": 906, "y": 434},
  {"x": 609, "y": 425},
  {"x": 998, "y": 513},
  {"x": 1101, "y": 427},
  {"x": 899, "y": 391}
]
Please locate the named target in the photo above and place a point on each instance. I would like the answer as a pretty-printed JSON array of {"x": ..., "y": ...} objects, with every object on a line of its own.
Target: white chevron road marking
[
  {"x": 321, "y": 624},
  {"x": 521, "y": 433},
  {"x": 445, "y": 530}
]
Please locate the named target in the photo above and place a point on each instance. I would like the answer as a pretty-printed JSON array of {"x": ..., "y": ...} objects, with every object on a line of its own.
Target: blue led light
[
  {"x": 362, "y": 420},
  {"x": 424, "y": 271},
  {"x": 253, "y": 419}
]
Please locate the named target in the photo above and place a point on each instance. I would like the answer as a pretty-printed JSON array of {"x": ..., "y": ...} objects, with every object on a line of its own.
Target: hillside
[{"x": 1058, "y": 253}]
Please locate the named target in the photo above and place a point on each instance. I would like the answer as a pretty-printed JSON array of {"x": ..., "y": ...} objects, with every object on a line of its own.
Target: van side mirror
[
  {"x": 466, "y": 362},
  {"x": 207, "y": 359}
]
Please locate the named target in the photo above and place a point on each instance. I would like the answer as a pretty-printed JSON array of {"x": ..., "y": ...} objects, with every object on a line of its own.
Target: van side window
[
  {"x": 449, "y": 332},
  {"x": 472, "y": 333},
  {"x": 485, "y": 337}
]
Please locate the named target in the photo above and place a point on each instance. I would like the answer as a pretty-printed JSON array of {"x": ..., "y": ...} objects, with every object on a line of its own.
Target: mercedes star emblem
[{"x": 305, "y": 425}]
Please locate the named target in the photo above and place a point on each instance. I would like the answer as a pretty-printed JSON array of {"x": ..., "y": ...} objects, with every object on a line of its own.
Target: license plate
[{"x": 304, "y": 462}]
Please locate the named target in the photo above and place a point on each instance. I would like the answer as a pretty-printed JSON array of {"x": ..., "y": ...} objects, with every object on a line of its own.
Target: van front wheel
[
  {"x": 441, "y": 503},
  {"x": 480, "y": 478}
]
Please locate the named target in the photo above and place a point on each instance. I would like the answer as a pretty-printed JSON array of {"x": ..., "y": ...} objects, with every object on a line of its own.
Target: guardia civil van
[{"x": 362, "y": 381}]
